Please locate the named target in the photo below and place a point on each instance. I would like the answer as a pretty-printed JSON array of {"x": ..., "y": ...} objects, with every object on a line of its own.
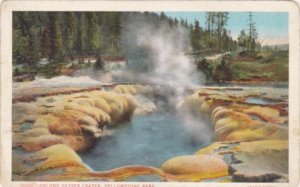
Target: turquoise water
[
  {"x": 146, "y": 140},
  {"x": 262, "y": 84},
  {"x": 259, "y": 100}
]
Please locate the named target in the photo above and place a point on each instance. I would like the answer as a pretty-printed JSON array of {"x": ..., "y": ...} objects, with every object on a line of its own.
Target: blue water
[
  {"x": 258, "y": 100},
  {"x": 146, "y": 140},
  {"x": 263, "y": 84}
]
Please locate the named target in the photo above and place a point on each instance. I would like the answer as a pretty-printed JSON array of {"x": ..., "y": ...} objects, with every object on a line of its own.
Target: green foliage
[
  {"x": 264, "y": 65},
  {"x": 16, "y": 72},
  {"x": 60, "y": 36},
  {"x": 196, "y": 35},
  {"x": 99, "y": 63},
  {"x": 25, "y": 36},
  {"x": 269, "y": 67},
  {"x": 242, "y": 39},
  {"x": 68, "y": 36},
  {"x": 221, "y": 18},
  {"x": 223, "y": 72},
  {"x": 262, "y": 56},
  {"x": 48, "y": 72},
  {"x": 252, "y": 54},
  {"x": 217, "y": 70},
  {"x": 215, "y": 35},
  {"x": 69, "y": 33},
  {"x": 56, "y": 36},
  {"x": 248, "y": 41},
  {"x": 93, "y": 38}
]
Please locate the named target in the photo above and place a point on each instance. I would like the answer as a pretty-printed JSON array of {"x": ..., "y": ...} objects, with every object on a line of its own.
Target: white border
[{"x": 268, "y": 6}]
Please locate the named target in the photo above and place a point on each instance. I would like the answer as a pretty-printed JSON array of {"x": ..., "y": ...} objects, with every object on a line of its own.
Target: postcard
[{"x": 149, "y": 93}]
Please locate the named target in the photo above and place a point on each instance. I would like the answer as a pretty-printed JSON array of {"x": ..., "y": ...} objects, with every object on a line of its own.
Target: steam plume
[{"x": 157, "y": 54}]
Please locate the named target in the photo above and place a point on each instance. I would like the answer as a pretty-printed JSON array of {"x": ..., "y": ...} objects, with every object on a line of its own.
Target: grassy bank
[
  {"x": 253, "y": 66},
  {"x": 270, "y": 67}
]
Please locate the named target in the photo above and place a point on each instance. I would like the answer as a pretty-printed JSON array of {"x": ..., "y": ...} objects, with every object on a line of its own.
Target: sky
[{"x": 272, "y": 27}]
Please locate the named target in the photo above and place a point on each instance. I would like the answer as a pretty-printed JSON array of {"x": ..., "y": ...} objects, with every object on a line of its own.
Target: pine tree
[
  {"x": 176, "y": 22},
  {"x": 69, "y": 33},
  {"x": 80, "y": 37},
  {"x": 242, "y": 39},
  {"x": 222, "y": 18},
  {"x": 163, "y": 16},
  {"x": 252, "y": 33},
  {"x": 209, "y": 27},
  {"x": 56, "y": 37},
  {"x": 186, "y": 24},
  {"x": 116, "y": 29},
  {"x": 171, "y": 23},
  {"x": 46, "y": 42},
  {"x": 99, "y": 63},
  {"x": 196, "y": 34},
  {"x": 24, "y": 41},
  {"x": 92, "y": 34}
]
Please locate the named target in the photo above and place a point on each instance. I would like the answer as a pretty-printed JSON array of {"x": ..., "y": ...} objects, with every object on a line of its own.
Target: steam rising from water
[
  {"x": 156, "y": 54},
  {"x": 198, "y": 128}
]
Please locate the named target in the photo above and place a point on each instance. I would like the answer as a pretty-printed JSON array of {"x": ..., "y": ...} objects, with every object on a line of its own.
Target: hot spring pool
[
  {"x": 146, "y": 140},
  {"x": 261, "y": 101}
]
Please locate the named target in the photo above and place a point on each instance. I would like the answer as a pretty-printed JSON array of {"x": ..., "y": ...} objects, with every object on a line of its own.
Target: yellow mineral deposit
[
  {"x": 196, "y": 167},
  {"x": 56, "y": 156},
  {"x": 68, "y": 123}
]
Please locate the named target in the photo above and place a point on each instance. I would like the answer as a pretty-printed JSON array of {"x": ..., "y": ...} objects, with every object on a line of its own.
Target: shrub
[{"x": 99, "y": 63}]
